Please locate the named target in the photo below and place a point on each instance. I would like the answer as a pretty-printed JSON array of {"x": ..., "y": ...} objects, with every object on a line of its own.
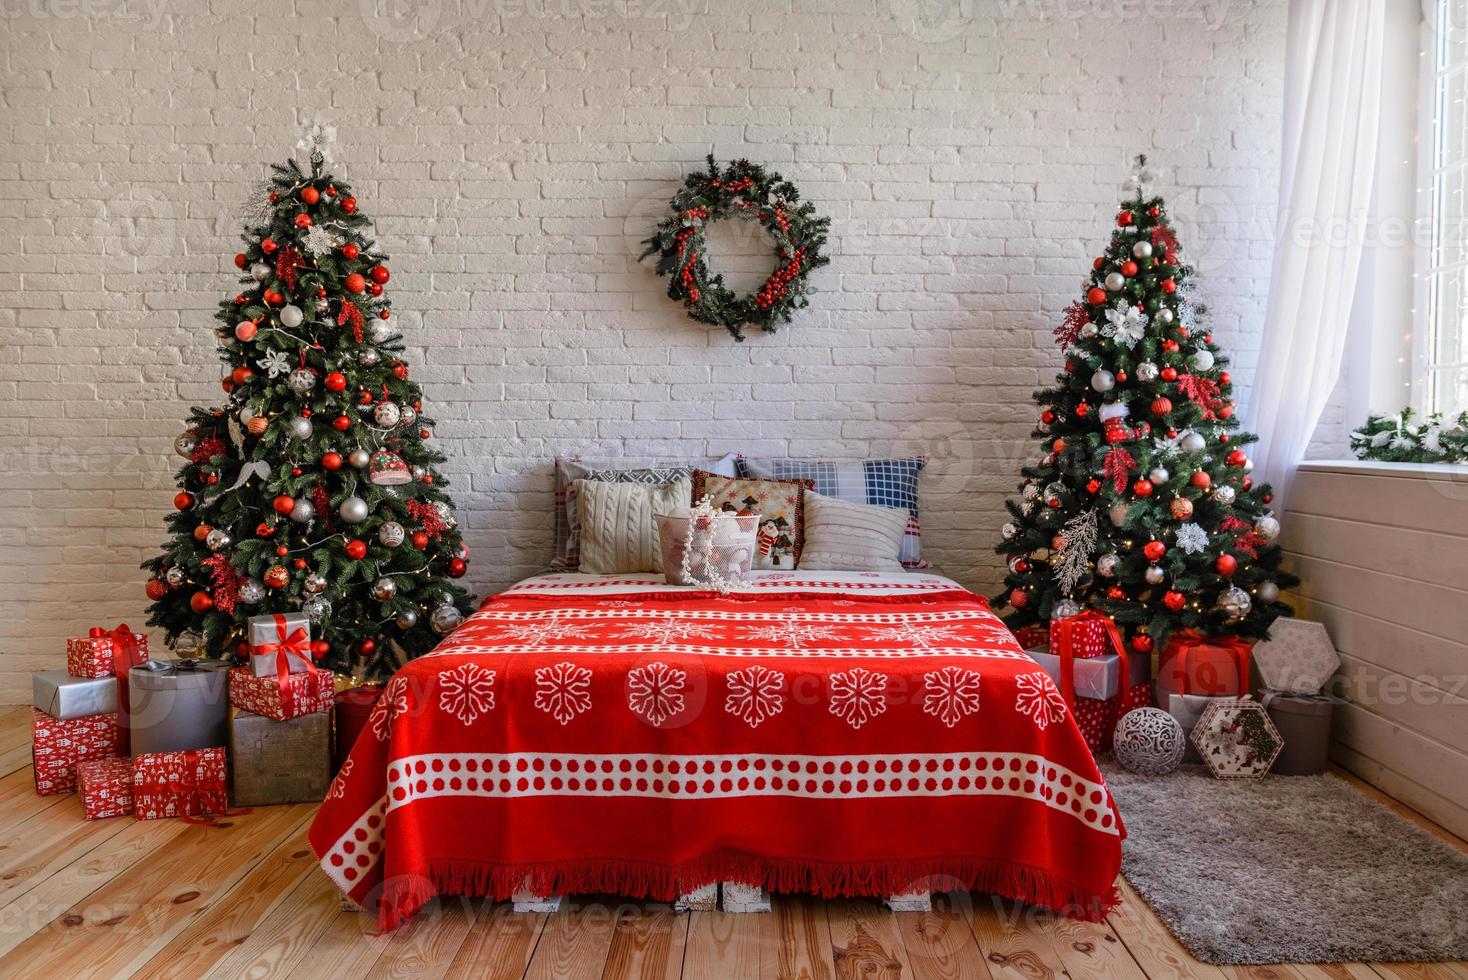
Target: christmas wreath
[{"x": 743, "y": 190}]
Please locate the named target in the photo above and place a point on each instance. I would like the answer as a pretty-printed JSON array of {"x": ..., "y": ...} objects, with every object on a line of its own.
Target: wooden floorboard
[{"x": 164, "y": 899}]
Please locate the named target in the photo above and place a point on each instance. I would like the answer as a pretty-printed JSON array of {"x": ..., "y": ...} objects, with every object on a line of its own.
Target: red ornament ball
[
  {"x": 356, "y": 550},
  {"x": 1142, "y": 643},
  {"x": 384, "y": 314},
  {"x": 379, "y": 274},
  {"x": 1169, "y": 286},
  {"x": 268, "y": 246},
  {"x": 273, "y": 298},
  {"x": 349, "y": 205},
  {"x": 335, "y": 381},
  {"x": 300, "y": 564},
  {"x": 1154, "y": 550},
  {"x": 310, "y": 195},
  {"x": 1093, "y": 486},
  {"x": 1142, "y": 488},
  {"x": 1124, "y": 218},
  {"x": 1058, "y": 446},
  {"x": 420, "y": 539},
  {"x": 1021, "y": 566},
  {"x": 1170, "y": 346},
  {"x": 1019, "y": 598},
  {"x": 245, "y": 331},
  {"x": 240, "y": 261},
  {"x": 183, "y": 500},
  {"x": 374, "y": 289},
  {"x": 366, "y": 647},
  {"x": 350, "y": 251},
  {"x": 1224, "y": 377},
  {"x": 1237, "y": 458},
  {"x": 1182, "y": 508},
  {"x": 303, "y": 221},
  {"x": 341, "y": 423},
  {"x": 331, "y": 461},
  {"x": 201, "y": 602},
  {"x": 201, "y": 532},
  {"x": 1116, "y": 593},
  {"x": 1226, "y": 564},
  {"x": 281, "y": 551},
  {"x": 241, "y": 374},
  {"x": 263, "y": 530},
  {"x": 319, "y": 649},
  {"x": 457, "y": 567},
  {"x": 1174, "y": 601},
  {"x": 1082, "y": 410},
  {"x": 1169, "y": 374},
  {"x": 276, "y": 576},
  {"x": 1161, "y": 406},
  {"x": 1047, "y": 416},
  {"x": 1201, "y": 479},
  {"x": 1129, "y": 269},
  {"x": 1100, "y": 261},
  {"x": 283, "y": 503},
  {"x": 400, "y": 371},
  {"x": 156, "y": 589},
  {"x": 1096, "y": 296},
  {"x": 355, "y": 283},
  {"x": 1121, "y": 377}
]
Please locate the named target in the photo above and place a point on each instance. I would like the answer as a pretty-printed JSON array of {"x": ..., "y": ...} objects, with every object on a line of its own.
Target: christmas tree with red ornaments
[
  {"x": 1141, "y": 505},
  {"x": 312, "y": 489}
]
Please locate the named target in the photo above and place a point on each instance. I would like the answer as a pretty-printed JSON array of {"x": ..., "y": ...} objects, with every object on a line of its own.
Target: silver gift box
[
  {"x": 178, "y": 704},
  {"x": 63, "y": 696},
  {"x": 265, "y": 629},
  {"x": 1096, "y": 677}
]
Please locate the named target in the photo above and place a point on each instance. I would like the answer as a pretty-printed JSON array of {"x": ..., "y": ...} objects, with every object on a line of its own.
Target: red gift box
[
  {"x": 1084, "y": 635},
  {"x": 179, "y": 784},
  {"x": 106, "y": 788},
  {"x": 60, "y": 746},
  {"x": 1030, "y": 637},
  {"x": 1216, "y": 666},
  {"x": 281, "y": 696},
  {"x": 1097, "y": 719},
  {"x": 353, "y": 710},
  {"x": 104, "y": 653}
]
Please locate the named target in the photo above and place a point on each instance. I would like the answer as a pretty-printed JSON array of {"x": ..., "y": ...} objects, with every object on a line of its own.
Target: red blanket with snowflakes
[{"x": 836, "y": 735}]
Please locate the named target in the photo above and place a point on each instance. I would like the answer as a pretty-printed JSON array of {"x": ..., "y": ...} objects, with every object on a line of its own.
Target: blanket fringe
[{"x": 401, "y": 896}]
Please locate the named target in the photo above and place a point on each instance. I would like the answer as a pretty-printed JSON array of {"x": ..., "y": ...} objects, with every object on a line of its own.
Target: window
[{"x": 1442, "y": 255}]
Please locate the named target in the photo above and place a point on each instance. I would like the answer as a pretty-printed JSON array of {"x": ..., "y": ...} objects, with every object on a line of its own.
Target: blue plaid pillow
[{"x": 884, "y": 482}]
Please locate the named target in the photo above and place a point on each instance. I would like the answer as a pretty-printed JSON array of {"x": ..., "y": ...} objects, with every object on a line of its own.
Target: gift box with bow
[
  {"x": 60, "y": 746},
  {"x": 1084, "y": 635},
  {"x": 105, "y": 653},
  {"x": 177, "y": 705},
  {"x": 282, "y": 696},
  {"x": 280, "y": 643},
  {"x": 1096, "y": 717},
  {"x": 179, "y": 784},
  {"x": 1217, "y": 666},
  {"x": 106, "y": 788}
]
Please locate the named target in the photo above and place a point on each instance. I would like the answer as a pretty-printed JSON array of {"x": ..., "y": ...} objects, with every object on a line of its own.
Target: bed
[{"x": 829, "y": 733}]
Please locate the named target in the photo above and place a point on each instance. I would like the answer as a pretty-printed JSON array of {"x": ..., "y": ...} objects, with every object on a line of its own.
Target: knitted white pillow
[
  {"x": 842, "y": 536},
  {"x": 619, "y": 531}
]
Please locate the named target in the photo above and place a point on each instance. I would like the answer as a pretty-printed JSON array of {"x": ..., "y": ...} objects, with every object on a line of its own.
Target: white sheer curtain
[{"x": 1332, "y": 102}]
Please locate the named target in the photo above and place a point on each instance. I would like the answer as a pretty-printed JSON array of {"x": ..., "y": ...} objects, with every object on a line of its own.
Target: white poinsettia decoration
[
  {"x": 319, "y": 241},
  {"x": 318, "y": 137},
  {"x": 1192, "y": 538},
  {"x": 1125, "y": 324},
  {"x": 274, "y": 364}
]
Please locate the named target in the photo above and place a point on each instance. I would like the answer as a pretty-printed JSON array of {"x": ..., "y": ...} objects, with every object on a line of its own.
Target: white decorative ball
[
  {"x": 379, "y": 332},
  {"x": 1142, "y": 250},
  {"x": 353, "y": 510},
  {"x": 1155, "y": 575},
  {"x": 291, "y": 316},
  {"x": 316, "y": 608},
  {"x": 445, "y": 619},
  {"x": 1108, "y": 563},
  {"x": 1117, "y": 514},
  {"x": 1267, "y": 527},
  {"x": 1103, "y": 380},
  {"x": 252, "y": 590},
  {"x": 1008, "y": 531},
  {"x": 185, "y": 444},
  {"x": 259, "y": 272},
  {"x": 1192, "y": 442},
  {"x": 1165, "y": 315},
  {"x": 301, "y": 380},
  {"x": 1065, "y": 609},
  {"x": 1149, "y": 742},
  {"x": 1201, "y": 360},
  {"x": 391, "y": 534},
  {"x": 1224, "y": 494},
  {"x": 387, "y": 414},
  {"x": 1147, "y": 371},
  {"x": 1159, "y": 474},
  {"x": 301, "y": 427},
  {"x": 1115, "y": 281},
  {"x": 1235, "y": 602},
  {"x": 1268, "y": 592},
  {"x": 303, "y": 511},
  {"x": 1030, "y": 491}
]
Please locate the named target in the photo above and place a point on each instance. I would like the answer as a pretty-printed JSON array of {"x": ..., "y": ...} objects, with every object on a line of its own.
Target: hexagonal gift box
[
  {"x": 1236, "y": 739},
  {"x": 1298, "y": 657}
]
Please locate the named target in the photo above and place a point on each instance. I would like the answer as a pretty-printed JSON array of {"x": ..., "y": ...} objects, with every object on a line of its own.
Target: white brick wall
[{"x": 513, "y": 152}]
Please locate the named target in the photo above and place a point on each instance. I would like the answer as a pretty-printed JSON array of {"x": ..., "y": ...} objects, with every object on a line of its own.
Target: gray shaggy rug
[{"x": 1290, "y": 869}]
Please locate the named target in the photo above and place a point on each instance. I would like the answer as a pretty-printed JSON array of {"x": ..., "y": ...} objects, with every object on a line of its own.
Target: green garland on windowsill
[{"x": 1400, "y": 439}]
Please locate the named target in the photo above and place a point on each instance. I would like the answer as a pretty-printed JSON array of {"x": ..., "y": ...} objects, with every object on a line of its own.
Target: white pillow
[
  {"x": 619, "y": 531},
  {"x": 841, "y": 536}
]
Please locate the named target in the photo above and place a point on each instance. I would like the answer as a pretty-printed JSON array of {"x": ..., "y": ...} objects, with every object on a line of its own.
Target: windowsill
[{"x": 1410, "y": 471}]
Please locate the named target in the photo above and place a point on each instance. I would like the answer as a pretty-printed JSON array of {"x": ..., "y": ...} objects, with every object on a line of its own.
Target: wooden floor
[{"x": 165, "y": 898}]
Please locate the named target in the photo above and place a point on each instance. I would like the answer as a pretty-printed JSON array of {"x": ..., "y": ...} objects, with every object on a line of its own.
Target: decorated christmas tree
[
  {"x": 312, "y": 488},
  {"x": 1141, "y": 505}
]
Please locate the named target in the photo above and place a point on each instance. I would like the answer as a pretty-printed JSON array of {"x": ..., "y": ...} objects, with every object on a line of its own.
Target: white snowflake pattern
[
  {"x": 1039, "y": 699},
  {"x": 656, "y": 691},
  {"x": 563, "y": 691},
  {"x": 1192, "y": 538},
  {"x": 339, "y": 784},
  {"x": 793, "y": 635},
  {"x": 919, "y": 635},
  {"x": 755, "y": 694},
  {"x": 466, "y": 692},
  {"x": 536, "y": 632},
  {"x": 669, "y": 631},
  {"x": 319, "y": 241},
  {"x": 952, "y": 694},
  {"x": 274, "y": 364},
  {"x": 391, "y": 705},
  {"x": 858, "y": 695},
  {"x": 1125, "y": 324}
]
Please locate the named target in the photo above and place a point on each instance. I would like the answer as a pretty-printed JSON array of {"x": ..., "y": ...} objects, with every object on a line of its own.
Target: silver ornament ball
[
  {"x": 353, "y": 510},
  {"x": 1165, "y": 315},
  {"x": 1201, "y": 360},
  {"x": 291, "y": 316},
  {"x": 384, "y": 589},
  {"x": 445, "y": 514},
  {"x": 1008, "y": 531},
  {"x": 1192, "y": 442},
  {"x": 418, "y": 472},
  {"x": 1103, "y": 380},
  {"x": 303, "y": 511},
  {"x": 217, "y": 540},
  {"x": 259, "y": 272},
  {"x": 1115, "y": 281},
  {"x": 1224, "y": 494},
  {"x": 1108, "y": 563},
  {"x": 387, "y": 414},
  {"x": 252, "y": 590},
  {"x": 175, "y": 576},
  {"x": 407, "y": 619},
  {"x": 1159, "y": 474},
  {"x": 445, "y": 619},
  {"x": 368, "y": 356},
  {"x": 1147, "y": 371},
  {"x": 185, "y": 444},
  {"x": 300, "y": 427},
  {"x": 316, "y": 608},
  {"x": 379, "y": 332},
  {"x": 301, "y": 380},
  {"x": 407, "y": 416},
  {"x": 1155, "y": 575},
  {"x": 1149, "y": 742},
  {"x": 1065, "y": 609},
  {"x": 1142, "y": 250},
  {"x": 1089, "y": 330},
  {"x": 1267, "y": 527},
  {"x": 391, "y": 534},
  {"x": 315, "y": 582},
  {"x": 1267, "y": 592},
  {"x": 359, "y": 458},
  {"x": 1117, "y": 513},
  {"x": 1235, "y": 602}
]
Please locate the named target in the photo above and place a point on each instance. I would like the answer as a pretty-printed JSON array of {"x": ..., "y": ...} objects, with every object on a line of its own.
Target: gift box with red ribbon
[
  {"x": 1030, "y": 637},
  {"x": 179, "y": 784},
  {"x": 282, "y": 696},
  {"x": 1082, "y": 636},
  {"x": 109, "y": 653},
  {"x": 280, "y": 643},
  {"x": 60, "y": 746},
  {"x": 1217, "y": 666},
  {"x": 106, "y": 788},
  {"x": 1095, "y": 717},
  {"x": 105, "y": 653}
]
